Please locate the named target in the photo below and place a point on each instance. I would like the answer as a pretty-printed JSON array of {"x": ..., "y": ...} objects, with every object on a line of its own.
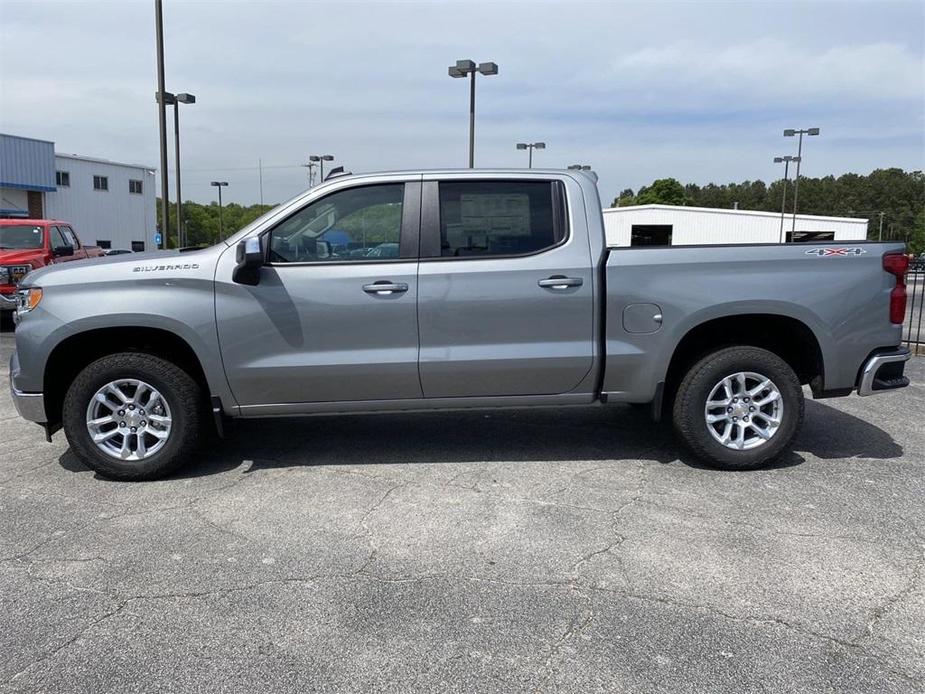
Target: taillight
[{"x": 897, "y": 264}]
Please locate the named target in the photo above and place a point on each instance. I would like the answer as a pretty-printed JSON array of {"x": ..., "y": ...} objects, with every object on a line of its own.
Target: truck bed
[{"x": 838, "y": 291}]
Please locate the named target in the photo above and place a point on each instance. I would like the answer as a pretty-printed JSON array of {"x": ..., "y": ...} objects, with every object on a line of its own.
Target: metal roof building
[
  {"x": 671, "y": 225},
  {"x": 110, "y": 204}
]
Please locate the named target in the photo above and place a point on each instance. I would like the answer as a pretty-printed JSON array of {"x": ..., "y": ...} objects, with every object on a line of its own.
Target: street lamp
[
  {"x": 531, "y": 146},
  {"x": 176, "y": 100},
  {"x": 790, "y": 132},
  {"x": 786, "y": 162},
  {"x": 320, "y": 159},
  {"x": 221, "y": 226},
  {"x": 461, "y": 69}
]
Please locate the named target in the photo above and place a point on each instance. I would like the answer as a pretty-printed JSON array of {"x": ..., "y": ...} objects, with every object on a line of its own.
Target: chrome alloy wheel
[
  {"x": 128, "y": 419},
  {"x": 744, "y": 410}
]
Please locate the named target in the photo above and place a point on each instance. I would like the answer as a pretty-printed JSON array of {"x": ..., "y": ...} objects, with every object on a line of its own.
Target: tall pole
[
  {"x": 783, "y": 204},
  {"x": 530, "y": 157},
  {"x": 176, "y": 139},
  {"x": 472, "y": 120},
  {"x": 880, "y": 233},
  {"x": 260, "y": 169},
  {"x": 221, "y": 226},
  {"x": 796, "y": 182},
  {"x": 162, "y": 120},
  {"x": 321, "y": 169}
]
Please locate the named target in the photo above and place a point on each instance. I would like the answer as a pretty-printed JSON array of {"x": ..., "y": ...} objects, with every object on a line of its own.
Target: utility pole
[
  {"x": 880, "y": 233},
  {"x": 311, "y": 172},
  {"x": 162, "y": 120},
  {"x": 260, "y": 170}
]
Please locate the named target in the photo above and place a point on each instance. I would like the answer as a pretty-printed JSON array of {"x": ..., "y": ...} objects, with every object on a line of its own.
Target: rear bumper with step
[{"x": 883, "y": 371}]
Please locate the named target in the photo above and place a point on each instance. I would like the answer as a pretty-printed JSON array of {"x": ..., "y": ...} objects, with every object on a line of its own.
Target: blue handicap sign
[{"x": 157, "y": 239}]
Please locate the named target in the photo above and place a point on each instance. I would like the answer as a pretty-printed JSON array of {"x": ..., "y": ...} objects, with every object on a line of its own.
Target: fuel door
[{"x": 642, "y": 318}]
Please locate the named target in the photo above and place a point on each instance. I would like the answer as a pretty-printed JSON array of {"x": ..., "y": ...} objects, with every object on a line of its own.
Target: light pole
[
  {"x": 786, "y": 161},
  {"x": 319, "y": 159},
  {"x": 221, "y": 226},
  {"x": 531, "y": 146},
  {"x": 796, "y": 181},
  {"x": 176, "y": 100},
  {"x": 162, "y": 117},
  {"x": 461, "y": 69},
  {"x": 880, "y": 233}
]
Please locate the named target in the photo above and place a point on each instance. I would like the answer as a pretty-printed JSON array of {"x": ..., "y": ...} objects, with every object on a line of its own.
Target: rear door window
[{"x": 500, "y": 218}]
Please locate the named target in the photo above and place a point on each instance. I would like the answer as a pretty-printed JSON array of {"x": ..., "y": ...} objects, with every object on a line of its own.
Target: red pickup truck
[{"x": 26, "y": 244}]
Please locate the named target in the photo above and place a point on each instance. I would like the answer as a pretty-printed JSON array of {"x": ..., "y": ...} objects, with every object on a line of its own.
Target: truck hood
[
  {"x": 163, "y": 265},
  {"x": 20, "y": 256}
]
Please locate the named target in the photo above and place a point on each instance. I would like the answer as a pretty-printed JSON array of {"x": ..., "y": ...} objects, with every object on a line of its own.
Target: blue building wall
[{"x": 27, "y": 164}]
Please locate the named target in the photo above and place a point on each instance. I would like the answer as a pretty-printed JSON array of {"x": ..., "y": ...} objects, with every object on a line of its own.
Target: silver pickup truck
[{"x": 448, "y": 290}]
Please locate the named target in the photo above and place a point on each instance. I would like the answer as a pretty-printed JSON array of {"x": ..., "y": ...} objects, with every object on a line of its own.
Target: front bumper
[
  {"x": 8, "y": 302},
  {"x": 883, "y": 371},
  {"x": 30, "y": 406}
]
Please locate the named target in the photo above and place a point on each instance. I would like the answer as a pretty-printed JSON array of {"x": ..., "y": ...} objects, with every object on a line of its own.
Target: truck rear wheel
[
  {"x": 739, "y": 408},
  {"x": 132, "y": 416}
]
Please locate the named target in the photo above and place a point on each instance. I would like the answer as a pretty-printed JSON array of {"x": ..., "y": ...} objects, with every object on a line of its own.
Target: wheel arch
[
  {"x": 786, "y": 336},
  {"x": 72, "y": 354}
]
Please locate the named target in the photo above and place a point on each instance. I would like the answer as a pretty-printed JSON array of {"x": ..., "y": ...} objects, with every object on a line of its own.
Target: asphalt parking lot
[{"x": 572, "y": 550}]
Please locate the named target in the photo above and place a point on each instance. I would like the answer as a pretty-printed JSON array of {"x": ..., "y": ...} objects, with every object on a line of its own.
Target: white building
[
  {"x": 671, "y": 225},
  {"x": 109, "y": 204}
]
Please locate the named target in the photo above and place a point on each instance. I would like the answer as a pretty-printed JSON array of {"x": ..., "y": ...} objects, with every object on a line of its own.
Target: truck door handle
[
  {"x": 385, "y": 288},
  {"x": 560, "y": 282}
]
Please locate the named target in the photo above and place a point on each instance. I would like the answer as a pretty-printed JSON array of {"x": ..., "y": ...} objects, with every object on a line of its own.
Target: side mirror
[
  {"x": 249, "y": 255},
  {"x": 63, "y": 250}
]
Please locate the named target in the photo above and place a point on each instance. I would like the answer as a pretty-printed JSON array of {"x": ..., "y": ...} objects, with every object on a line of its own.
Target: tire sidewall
[
  {"x": 169, "y": 380},
  {"x": 699, "y": 383}
]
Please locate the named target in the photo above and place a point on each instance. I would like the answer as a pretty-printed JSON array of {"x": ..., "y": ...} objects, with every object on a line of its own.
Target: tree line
[
  {"x": 898, "y": 194},
  {"x": 201, "y": 222}
]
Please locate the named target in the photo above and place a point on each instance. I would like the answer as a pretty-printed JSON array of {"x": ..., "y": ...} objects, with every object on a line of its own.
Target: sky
[{"x": 699, "y": 91}]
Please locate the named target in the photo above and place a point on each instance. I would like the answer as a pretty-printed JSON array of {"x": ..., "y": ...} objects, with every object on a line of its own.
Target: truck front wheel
[
  {"x": 739, "y": 408},
  {"x": 132, "y": 416}
]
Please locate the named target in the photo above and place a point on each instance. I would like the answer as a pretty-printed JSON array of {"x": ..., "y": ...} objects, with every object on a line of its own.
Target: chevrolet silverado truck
[
  {"x": 27, "y": 244},
  {"x": 446, "y": 290}
]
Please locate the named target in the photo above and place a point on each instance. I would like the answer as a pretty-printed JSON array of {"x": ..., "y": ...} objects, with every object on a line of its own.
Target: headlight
[
  {"x": 28, "y": 299},
  {"x": 4, "y": 275}
]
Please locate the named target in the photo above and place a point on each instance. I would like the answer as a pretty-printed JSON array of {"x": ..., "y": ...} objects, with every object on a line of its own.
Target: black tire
[
  {"x": 183, "y": 397},
  {"x": 695, "y": 388}
]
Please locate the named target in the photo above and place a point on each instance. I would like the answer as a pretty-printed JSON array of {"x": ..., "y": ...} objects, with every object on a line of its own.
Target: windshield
[{"x": 21, "y": 236}]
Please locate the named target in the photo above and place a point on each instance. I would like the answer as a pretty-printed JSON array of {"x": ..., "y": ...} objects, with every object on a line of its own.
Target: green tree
[
  {"x": 625, "y": 198},
  {"x": 201, "y": 222},
  {"x": 663, "y": 191}
]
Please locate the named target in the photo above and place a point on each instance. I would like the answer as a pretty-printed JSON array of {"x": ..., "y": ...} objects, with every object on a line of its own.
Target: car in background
[{"x": 28, "y": 244}]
